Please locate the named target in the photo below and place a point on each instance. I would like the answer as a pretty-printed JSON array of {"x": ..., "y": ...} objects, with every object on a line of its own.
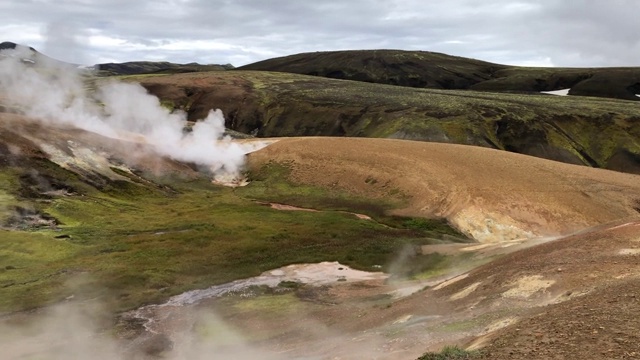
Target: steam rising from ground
[
  {"x": 57, "y": 94},
  {"x": 73, "y": 331}
]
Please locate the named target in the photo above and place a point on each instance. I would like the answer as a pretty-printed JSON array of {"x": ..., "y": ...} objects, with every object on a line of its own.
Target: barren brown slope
[
  {"x": 590, "y": 284},
  {"x": 572, "y": 298},
  {"x": 488, "y": 194}
]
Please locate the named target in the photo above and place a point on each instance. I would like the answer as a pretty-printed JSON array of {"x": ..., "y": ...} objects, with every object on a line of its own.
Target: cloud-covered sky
[{"x": 519, "y": 32}]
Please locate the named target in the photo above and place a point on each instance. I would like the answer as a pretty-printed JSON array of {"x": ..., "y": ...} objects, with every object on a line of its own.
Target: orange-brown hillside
[{"x": 488, "y": 194}]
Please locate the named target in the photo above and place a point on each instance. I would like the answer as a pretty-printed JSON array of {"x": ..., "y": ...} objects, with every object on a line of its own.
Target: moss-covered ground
[
  {"x": 592, "y": 131},
  {"x": 128, "y": 244}
]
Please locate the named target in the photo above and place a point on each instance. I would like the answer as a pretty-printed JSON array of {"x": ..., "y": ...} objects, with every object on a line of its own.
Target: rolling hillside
[
  {"x": 579, "y": 130},
  {"x": 351, "y": 219},
  {"x": 425, "y": 69}
]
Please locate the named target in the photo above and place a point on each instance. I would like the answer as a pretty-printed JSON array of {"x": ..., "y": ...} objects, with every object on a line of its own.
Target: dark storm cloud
[{"x": 554, "y": 32}]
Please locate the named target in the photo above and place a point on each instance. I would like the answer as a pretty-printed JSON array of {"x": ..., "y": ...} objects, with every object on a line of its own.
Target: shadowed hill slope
[
  {"x": 487, "y": 194},
  {"x": 155, "y": 67},
  {"x": 579, "y": 130},
  {"x": 394, "y": 67},
  {"x": 440, "y": 71}
]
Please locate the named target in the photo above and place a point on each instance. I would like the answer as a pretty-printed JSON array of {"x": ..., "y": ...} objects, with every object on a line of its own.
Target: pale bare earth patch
[
  {"x": 626, "y": 252},
  {"x": 526, "y": 286},
  {"x": 327, "y": 272},
  {"x": 403, "y": 319},
  {"x": 485, "y": 336},
  {"x": 405, "y": 291},
  {"x": 230, "y": 180},
  {"x": 83, "y": 158},
  {"x": 488, "y": 227},
  {"x": 465, "y": 292},
  {"x": 569, "y": 295},
  {"x": 495, "y": 326},
  {"x": 451, "y": 281},
  {"x": 285, "y": 207},
  {"x": 252, "y": 145}
]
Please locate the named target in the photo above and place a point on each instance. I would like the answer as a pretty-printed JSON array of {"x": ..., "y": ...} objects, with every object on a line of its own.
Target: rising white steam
[{"x": 56, "y": 94}]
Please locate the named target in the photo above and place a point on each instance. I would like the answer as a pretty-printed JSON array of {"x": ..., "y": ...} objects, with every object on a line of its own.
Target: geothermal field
[{"x": 276, "y": 212}]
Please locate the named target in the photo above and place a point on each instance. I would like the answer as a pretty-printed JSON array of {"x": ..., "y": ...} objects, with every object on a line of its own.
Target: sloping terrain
[
  {"x": 103, "y": 212},
  {"x": 422, "y": 69},
  {"x": 120, "y": 239},
  {"x": 425, "y": 69},
  {"x": 154, "y": 67},
  {"x": 572, "y": 298},
  {"x": 31, "y": 56},
  {"x": 83, "y": 220},
  {"x": 578, "y": 130},
  {"x": 582, "y": 292},
  {"x": 487, "y": 194},
  {"x": 34, "y": 57}
]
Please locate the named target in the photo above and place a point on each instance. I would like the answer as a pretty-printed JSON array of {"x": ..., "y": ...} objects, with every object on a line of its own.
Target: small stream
[{"x": 319, "y": 274}]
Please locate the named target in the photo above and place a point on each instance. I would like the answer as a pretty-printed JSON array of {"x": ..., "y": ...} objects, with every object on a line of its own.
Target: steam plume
[{"x": 57, "y": 94}]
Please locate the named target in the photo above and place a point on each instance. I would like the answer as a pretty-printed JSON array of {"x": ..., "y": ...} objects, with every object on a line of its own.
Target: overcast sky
[{"x": 528, "y": 32}]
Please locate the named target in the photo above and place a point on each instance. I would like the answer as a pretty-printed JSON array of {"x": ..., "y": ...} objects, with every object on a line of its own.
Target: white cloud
[{"x": 563, "y": 33}]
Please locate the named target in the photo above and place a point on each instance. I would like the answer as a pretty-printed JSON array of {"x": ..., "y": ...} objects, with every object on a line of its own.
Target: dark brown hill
[
  {"x": 155, "y": 67},
  {"x": 396, "y": 67},
  {"x": 424, "y": 69}
]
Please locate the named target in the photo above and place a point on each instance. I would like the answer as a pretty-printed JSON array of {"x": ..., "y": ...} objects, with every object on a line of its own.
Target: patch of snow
[{"x": 561, "y": 92}]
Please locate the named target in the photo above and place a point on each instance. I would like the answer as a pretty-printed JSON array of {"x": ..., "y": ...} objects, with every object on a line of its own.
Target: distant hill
[
  {"x": 589, "y": 131},
  {"x": 31, "y": 56},
  {"x": 395, "y": 67},
  {"x": 425, "y": 69},
  {"x": 11, "y": 45},
  {"x": 157, "y": 67}
]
